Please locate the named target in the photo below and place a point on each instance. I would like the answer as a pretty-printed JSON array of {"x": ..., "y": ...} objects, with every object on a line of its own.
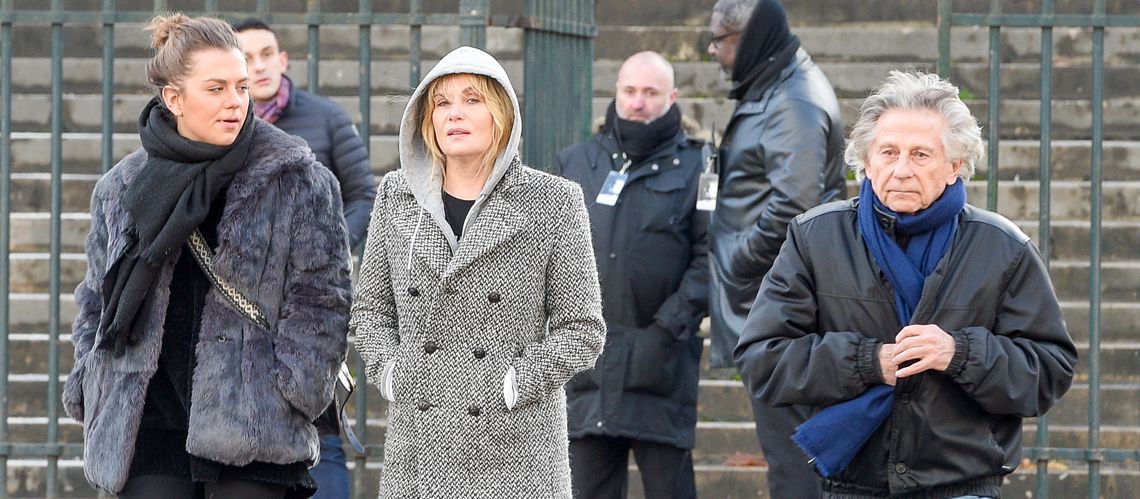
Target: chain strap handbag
[{"x": 345, "y": 382}]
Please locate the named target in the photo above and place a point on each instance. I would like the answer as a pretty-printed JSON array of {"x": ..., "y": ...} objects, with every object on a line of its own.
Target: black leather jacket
[
  {"x": 824, "y": 309},
  {"x": 781, "y": 155}
]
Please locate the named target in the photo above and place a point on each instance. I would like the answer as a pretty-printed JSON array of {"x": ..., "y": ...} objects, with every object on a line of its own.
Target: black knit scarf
[
  {"x": 638, "y": 140},
  {"x": 766, "y": 47},
  {"x": 168, "y": 199}
]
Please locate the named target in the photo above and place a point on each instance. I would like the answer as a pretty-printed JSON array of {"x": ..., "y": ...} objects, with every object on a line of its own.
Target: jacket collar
[{"x": 495, "y": 224}]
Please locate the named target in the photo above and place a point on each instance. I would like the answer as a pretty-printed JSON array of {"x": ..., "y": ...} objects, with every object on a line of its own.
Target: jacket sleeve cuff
[
  {"x": 961, "y": 354},
  {"x": 867, "y": 362}
]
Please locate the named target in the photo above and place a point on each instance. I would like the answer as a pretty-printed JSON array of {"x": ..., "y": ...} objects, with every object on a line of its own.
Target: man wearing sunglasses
[{"x": 782, "y": 153}]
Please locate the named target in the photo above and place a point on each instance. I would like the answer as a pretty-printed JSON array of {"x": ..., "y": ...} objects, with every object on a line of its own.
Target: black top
[{"x": 455, "y": 211}]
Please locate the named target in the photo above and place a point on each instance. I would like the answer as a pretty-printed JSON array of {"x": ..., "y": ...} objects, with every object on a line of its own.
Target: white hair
[
  {"x": 734, "y": 14},
  {"x": 961, "y": 138}
]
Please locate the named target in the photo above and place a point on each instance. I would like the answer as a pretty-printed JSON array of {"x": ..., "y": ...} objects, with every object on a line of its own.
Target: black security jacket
[
  {"x": 651, "y": 249},
  {"x": 781, "y": 155},
  {"x": 336, "y": 143},
  {"x": 825, "y": 307}
]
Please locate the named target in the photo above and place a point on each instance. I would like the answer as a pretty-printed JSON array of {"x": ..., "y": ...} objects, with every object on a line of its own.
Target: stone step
[
  {"x": 726, "y": 401},
  {"x": 667, "y": 12},
  {"x": 1019, "y": 127},
  {"x": 26, "y": 478},
  {"x": 904, "y": 42},
  {"x": 1120, "y": 240},
  {"x": 694, "y": 78},
  {"x": 718, "y": 441},
  {"x": 30, "y": 273},
  {"x": 720, "y": 400},
  {"x": 28, "y": 341},
  {"x": 1017, "y": 199}
]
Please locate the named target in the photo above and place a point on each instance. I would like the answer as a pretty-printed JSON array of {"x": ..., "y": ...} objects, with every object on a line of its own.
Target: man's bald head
[{"x": 645, "y": 88}]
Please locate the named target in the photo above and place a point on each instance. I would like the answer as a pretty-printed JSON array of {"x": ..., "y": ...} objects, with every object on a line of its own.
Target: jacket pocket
[{"x": 652, "y": 366}]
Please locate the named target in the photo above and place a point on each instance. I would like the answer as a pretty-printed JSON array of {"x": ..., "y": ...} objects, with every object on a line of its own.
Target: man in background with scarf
[
  {"x": 923, "y": 329},
  {"x": 782, "y": 154},
  {"x": 337, "y": 144},
  {"x": 639, "y": 175}
]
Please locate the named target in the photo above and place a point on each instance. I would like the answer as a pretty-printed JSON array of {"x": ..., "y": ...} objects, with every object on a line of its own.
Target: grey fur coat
[
  {"x": 443, "y": 321},
  {"x": 283, "y": 243}
]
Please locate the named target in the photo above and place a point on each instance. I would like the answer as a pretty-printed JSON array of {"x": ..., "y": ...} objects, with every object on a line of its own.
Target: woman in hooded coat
[{"x": 478, "y": 297}]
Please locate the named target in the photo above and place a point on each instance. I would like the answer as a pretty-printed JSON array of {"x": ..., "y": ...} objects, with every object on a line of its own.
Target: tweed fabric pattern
[
  {"x": 282, "y": 241},
  {"x": 520, "y": 291}
]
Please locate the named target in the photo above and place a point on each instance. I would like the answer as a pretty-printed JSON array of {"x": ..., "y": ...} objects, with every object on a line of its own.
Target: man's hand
[
  {"x": 886, "y": 364},
  {"x": 927, "y": 345}
]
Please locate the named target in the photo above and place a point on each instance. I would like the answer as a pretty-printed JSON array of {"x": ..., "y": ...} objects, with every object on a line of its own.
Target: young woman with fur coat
[{"x": 180, "y": 394}]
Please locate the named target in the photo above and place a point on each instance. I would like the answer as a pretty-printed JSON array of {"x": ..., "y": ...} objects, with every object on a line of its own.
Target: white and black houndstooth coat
[{"x": 519, "y": 290}]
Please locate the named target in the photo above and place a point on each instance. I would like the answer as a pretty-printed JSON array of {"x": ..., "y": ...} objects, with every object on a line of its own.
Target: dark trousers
[
  {"x": 180, "y": 487},
  {"x": 599, "y": 468},
  {"x": 789, "y": 474}
]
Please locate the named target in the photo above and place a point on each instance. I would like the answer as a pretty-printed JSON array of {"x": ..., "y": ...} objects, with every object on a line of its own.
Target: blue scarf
[{"x": 833, "y": 437}]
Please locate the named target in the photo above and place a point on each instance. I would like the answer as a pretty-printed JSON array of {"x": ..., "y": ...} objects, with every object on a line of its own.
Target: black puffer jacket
[
  {"x": 825, "y": 308},
  {"x": 781, "y": 155},
  {"x": 651, "y": 250},
  {"x": 337, "y": 145}
]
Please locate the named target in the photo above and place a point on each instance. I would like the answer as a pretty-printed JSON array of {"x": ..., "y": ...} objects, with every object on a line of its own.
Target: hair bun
[{"x": 161, "y": 27}]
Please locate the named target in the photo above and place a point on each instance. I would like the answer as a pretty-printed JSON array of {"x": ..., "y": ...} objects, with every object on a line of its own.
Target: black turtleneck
[{"x": 638, "y": 140}]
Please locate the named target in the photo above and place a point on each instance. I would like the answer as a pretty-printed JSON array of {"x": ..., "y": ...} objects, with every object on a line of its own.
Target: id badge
[
  {"x": 615, "y": 182},
  {"x": 706, "y": 192}
]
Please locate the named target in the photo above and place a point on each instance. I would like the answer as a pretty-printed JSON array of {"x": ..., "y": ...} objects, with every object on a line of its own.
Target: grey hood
[{"x": 425, "y": 181}]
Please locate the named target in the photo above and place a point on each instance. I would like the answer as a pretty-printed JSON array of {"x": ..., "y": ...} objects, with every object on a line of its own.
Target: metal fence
[
  {"x": 1046, "y": 20},
  {"x": 558, "y": 56}
]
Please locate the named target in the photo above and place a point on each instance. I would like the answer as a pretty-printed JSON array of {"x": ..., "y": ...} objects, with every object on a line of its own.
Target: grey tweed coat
[
  {"x": 447, "y": 319},
  {"x": 282, "y": 241}
]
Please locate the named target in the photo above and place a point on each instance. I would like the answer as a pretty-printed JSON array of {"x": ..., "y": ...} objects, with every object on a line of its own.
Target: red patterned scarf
[{"x": 272, "y": 109}]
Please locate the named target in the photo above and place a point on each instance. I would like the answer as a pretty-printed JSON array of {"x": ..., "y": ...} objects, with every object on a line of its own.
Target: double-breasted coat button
[
  {"x": 480, "y": 353},
  {"x": 423, "y": 405},
  {"x": 676, "y": 161},
  {"x": 654, "y": 167},
  {"x": 900, "y": 468},
  {"x": 430, "y": 347},
  {"x": 494, "y": 297},
  {"x": 413, "y": 292},
  {"x": 474, "y": 411}
]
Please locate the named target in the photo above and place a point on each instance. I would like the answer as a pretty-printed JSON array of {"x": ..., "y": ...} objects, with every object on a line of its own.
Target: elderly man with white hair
[{"x": 922, "y": 329}]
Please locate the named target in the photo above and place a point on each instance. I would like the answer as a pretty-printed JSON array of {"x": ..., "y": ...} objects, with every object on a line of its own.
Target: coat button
[
  {"x": 900, "y": 468},
  {"x": 423, "y": 405},
  {"x": 413, "y": 292},
  {"x": 494, "y": 297},
  {"x": 905, "y": 398},
  {"x": 480, "y": 353},
  {"x": 448, "y": 290},
  {"x": 474, "y": 411},
  {"x": 430, "y": 347},
  {"x": 676, "y": 161},
  {"x": 613, "y": 255},
  {"x": 654, "y": 167},
  {"x": 221, "y": 339}
]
